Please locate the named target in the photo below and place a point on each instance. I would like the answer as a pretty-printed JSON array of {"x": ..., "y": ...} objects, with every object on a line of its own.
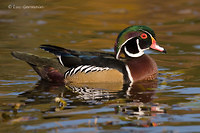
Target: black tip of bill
[{"x": 164, "y": 51}]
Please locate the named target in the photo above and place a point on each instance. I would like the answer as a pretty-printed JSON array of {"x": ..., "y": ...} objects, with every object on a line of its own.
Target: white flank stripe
[
  {"x": 71, "y": 72},
  {"x": 88, "y": 69},
  {"x": 77, "y": 69},
  {"x": 95, "y": 69},
  {"x": 100, "y": 69},
  {"x": 129, "y": 74},
  {"x": 66, "y": 74},
  {"x": 146, "y": 32},
  {"x": 106, "y": 68},
  {"x": 84, "y": 67}
]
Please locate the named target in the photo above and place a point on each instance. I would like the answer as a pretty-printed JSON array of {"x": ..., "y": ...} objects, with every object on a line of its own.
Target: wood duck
[{"x": 97, "y": 67}]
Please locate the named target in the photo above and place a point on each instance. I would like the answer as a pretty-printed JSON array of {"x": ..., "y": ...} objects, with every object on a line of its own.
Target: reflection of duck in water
[
  {"x": 44, "y": 92},
  {"x": 92, "y": 67},
  {"x": 136, "y": 99},
  {"x": 141, "y": 91}
]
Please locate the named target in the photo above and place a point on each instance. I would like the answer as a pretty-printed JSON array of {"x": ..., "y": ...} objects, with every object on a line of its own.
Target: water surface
[{"x": 171, "y": 103}]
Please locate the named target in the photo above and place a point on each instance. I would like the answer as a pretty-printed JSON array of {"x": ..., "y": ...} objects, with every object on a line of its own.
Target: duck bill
[{"x": 157, "y": 47}]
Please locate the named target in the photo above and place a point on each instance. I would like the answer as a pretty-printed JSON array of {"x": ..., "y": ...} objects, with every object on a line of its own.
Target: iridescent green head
[{"x": 134, "y": 40}]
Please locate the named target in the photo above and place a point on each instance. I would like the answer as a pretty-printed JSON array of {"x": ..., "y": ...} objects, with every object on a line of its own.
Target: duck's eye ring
[{"x": 143, "y": 36}]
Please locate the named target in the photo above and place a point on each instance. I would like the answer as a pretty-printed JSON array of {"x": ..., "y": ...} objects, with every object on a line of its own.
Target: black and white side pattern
[
  {"x": 88, "y": 93},
  {"x": 85, "y": 69}
]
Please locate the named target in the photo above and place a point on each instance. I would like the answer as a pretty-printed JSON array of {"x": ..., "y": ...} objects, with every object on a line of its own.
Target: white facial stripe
[
  {"x": 141, "y": 51},
  {"x": 137, "y": 41},
  {"x": 117, "y": 56},
  {"x": 146, "y": 32},
  {"x": 157, "y": 47},
  {"x": 129, "y": 74}
]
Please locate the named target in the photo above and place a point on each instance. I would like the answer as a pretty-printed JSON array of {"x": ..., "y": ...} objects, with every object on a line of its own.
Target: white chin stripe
[
  {"x": 133, "y": 55},
  {"x": 140, "y": 53}
]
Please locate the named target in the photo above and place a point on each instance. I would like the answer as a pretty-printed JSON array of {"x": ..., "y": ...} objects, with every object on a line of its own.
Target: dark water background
[{"x": 170, "y": 104}]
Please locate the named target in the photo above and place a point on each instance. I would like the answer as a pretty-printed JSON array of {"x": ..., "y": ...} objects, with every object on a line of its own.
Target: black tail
[
  {"x": 48, "y": 69},
  {"x": 67, "y": 52},
  {"x": 30, "y": 58},
  {"x": 58, "y": 50}
]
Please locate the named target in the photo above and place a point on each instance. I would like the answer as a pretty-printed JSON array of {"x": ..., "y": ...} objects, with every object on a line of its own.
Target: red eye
[{"x": 143, "y": 36}]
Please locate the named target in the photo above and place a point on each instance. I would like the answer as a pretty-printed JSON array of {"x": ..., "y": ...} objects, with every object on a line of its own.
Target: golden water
[{"x": 28, "y": 106}]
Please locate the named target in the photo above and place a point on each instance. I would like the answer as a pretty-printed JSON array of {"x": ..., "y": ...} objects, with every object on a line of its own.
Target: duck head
[{"x": 134, "y": 40}]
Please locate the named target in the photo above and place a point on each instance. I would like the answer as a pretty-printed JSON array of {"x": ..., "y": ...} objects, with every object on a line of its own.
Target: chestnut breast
[{"x": 142, "y": 68}]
